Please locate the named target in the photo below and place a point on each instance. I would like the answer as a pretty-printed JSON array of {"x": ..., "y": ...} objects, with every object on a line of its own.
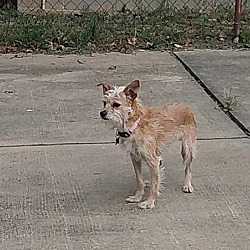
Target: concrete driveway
[{"x": 63, "y": 182}]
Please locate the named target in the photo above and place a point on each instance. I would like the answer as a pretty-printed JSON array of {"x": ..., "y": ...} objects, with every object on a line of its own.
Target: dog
[{"x": 144, "y": 132}]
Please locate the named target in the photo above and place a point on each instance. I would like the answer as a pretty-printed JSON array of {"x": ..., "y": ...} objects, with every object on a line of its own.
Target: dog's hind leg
[
  {"x": 137, "y": 163},
  {"x": 188, "y": 153}
]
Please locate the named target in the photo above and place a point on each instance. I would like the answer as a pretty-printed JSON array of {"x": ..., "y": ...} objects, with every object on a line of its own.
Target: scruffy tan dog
[{"x": 144, "y": 131}]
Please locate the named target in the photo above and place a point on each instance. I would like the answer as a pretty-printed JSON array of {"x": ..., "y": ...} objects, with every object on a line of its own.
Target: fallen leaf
[
  {"x": 188, "y": 44},
  {"x": 112, "y": 67},
  {"x": 27, "y": 51},
  {"x": 221, "y": 36},
  {"x": 129, "y": 42},
  {"x": 227, "y": 109},
  {"x": 89, "y": 55},
  {"x": 178, "y": 46},
  {"x": 19, "y": 55},
  {"x": 212, "y": 20},
  {"x": 61, "y": 47},
  {"x": 149, "y": 44},
  {"x": 79, "y": 61},
  {"x": 9, "y": 50},
  {"x": 113, "y": 44},
  {"x": 132, "y": 41},
  {"x": 51, "y": 45},
  {"x": 8, "y": 91},
  {"x": 92, "y": 45}
]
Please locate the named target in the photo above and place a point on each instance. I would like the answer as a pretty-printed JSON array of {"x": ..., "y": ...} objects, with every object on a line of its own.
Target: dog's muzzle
[{"x": 103, "y": 115}]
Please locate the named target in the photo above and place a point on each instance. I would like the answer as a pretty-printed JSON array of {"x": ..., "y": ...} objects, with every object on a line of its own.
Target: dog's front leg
[
  {"x": 153, "y": 164},
  {"x": 137, "y": 163}
]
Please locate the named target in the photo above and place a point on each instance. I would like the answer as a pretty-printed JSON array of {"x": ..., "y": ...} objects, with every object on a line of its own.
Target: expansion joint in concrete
[{"x": 212, "y": 95}]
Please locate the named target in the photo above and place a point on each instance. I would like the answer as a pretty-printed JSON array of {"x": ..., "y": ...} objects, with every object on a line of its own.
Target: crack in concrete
[
  {"x": 53, "y": 144},
  {"x": 231, "y": 116}
]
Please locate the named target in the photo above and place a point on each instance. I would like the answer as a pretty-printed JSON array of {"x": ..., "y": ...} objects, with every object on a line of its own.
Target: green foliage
[{"x": 156, "y": 30}]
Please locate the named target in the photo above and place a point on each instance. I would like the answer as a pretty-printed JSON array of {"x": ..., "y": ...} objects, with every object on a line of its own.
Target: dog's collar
[
  {"x": 125, "y": 134},
  {"x": 134, "y": 126}
]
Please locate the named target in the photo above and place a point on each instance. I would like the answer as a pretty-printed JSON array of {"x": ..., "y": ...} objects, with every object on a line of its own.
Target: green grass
[{"x": 154, "y": 30}]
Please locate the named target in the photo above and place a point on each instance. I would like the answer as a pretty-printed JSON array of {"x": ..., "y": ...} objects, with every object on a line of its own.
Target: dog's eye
[
  {"x": 116, "y": 105},
  {"x": 104, "y": 103}
]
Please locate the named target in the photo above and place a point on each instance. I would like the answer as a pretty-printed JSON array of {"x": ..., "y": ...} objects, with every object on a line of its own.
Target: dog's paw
[
  {"x": 133, "y": 199},
  {"x": 188, "y": 189},
  {"x": 147, "y": 204}
]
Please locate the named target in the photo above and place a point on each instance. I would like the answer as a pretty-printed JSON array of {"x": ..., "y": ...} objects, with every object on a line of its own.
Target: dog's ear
[
  {"x": 105, "y": 86},
  {"x": 132, "y": 90}
]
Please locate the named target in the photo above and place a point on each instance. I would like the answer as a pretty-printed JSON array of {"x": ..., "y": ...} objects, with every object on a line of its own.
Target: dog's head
[{"x": 118, "y": 102}]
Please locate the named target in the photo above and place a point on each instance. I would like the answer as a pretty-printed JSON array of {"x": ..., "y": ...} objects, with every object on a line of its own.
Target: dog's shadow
[{"x": 117, "y": 182}]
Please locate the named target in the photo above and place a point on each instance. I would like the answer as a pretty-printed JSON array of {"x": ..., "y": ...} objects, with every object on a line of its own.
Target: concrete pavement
[
  {"x": 224, "y": 72},
  {"x": 70, "y": 192}
]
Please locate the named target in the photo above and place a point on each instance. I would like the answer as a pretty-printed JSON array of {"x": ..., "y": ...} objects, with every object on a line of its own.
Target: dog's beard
[
  {"x": 113, "y": 122},
  {"x": 118, "y": 120}
]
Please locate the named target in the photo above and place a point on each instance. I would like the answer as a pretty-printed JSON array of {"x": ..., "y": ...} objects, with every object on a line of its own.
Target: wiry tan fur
[{"x": 157, "y": 127}]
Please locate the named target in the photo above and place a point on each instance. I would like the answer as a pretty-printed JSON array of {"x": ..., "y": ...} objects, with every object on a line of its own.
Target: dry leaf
[
  {"x": 188, "y": 44},
  {"x": 178, "y": 46},
  {"x": 19, "y": 55},
  {"x": 89, "y": 55},
  {"x": 221, "y": 36},
  {"x": 132, "y": 41},
  {"x": 79, "y": 61},
  {"x": 54, "y": 45},
  {"x": 226, "y": 109},
  {"x": 129, "y": 42},
  {"x": 113, "y": 44},
  {"x": 109, "y": 47},
  {"x": 112, "y": 67},
  {"x": 61, "y": 47},
  {"x": 9, "y": 49},
  {"x": 51, "y": 45},
  {"x": 149, "y": 44},
  {"x": 212, "y": 20},
  {"x": 92, "y": 45},
  {"x": 8, "y": 91},
  {"x": 27, "y": 51}
]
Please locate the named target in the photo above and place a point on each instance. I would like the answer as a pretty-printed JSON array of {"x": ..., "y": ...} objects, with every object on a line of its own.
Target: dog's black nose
[{"x": 103, "y": 114}]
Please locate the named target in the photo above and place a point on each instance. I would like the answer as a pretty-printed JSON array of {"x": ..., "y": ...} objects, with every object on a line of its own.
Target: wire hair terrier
[{"x": 144, "y": 131}]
